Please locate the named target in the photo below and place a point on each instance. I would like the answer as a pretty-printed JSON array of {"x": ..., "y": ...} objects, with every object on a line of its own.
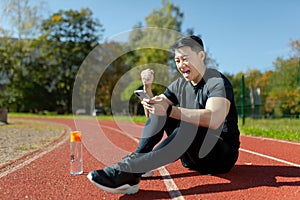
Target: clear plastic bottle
[{"x": 76, "y": 163}]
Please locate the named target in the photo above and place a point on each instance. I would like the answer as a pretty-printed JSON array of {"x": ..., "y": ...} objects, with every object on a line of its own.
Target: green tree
[
  {"x": 253, "y": 80},
  {"x": 268, "y": 104},
  {"x": 67, "y": 38},
  {"x": 112, "y": 74},
  {"x": 295, "y": 47},
  {"x": 283, "y": 86},
  {"x": 236, "y": 81},
  {"x": 23, "y": 21},
  {"x": 149, "y": 44},
  {"x": 157, "y": 32},
  {"x": 167, "y": 17}
]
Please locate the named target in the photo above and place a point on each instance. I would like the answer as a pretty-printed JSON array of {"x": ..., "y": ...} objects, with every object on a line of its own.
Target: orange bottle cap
[{"x": 75, "y": 136}]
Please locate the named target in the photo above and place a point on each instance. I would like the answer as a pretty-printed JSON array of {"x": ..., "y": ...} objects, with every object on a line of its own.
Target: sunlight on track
[{"x": 270, "y": 157}]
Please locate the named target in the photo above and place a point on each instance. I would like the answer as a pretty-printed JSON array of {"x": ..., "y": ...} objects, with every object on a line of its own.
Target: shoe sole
[{"x": 124, "y": 189}]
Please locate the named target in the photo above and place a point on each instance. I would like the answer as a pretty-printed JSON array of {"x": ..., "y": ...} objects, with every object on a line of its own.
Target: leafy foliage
[
  {"x": 151, "y": 45},
  {"x": 280, "y": 94},
  {"x": 68, "y": 37},
  {"x": 42, "y": 71},
  {"x": 38, "y": 73}
]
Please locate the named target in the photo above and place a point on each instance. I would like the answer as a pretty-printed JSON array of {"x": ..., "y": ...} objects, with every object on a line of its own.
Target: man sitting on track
[{"x": 197, "y": 112}]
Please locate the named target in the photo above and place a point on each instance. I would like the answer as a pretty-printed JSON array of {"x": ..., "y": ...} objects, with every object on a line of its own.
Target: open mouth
[{"x": 186, "y": 73}]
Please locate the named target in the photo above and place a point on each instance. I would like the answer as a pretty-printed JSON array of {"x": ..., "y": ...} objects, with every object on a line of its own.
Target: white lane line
[
  {"x": 270, "y": 157},
  {"x": 47, "y": 150},
  {"x": 172, "y": 188}
]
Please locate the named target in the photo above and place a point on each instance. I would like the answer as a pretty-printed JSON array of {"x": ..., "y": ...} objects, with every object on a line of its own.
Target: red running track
[{"x": 266, "y": 169}]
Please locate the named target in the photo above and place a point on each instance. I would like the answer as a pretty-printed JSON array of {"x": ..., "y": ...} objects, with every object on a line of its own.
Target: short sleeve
[
  {"x": 220, "y": 87},
  {"x": 171, "y": 92}
]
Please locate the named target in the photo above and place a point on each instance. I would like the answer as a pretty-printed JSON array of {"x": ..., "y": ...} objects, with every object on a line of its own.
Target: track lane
[
  {"x": 289, "y": 151},
  {"x": 254, "y": 177}
]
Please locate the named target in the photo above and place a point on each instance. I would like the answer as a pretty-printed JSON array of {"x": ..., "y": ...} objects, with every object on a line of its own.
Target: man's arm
[{"x": 212, "y": 116}]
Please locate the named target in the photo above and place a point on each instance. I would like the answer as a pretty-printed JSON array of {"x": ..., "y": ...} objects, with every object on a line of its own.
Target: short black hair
[{"x": 192, "y": 41}]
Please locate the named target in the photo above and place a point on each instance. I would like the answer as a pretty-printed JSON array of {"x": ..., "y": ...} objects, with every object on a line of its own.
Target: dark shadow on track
[{"x": 241, "y": 177}]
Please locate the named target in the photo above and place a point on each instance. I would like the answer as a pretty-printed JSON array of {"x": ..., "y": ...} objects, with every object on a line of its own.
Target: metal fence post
[{"x": 243, "y": 99}]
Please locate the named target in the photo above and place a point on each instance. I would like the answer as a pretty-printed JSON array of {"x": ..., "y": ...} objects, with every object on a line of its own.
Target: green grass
[
  {"x": 284, "y": 129},
  {"x": 70, "y": 116},
  {"x": 138, "y": 119},
  {"x": 13, "y": 114}
]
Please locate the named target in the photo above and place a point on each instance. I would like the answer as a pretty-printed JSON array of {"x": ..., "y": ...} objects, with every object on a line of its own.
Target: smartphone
[{"x": 141, "y": 94}]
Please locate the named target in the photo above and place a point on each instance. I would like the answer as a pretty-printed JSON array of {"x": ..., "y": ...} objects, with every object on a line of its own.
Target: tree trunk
[{"x": 3, "y": 115}]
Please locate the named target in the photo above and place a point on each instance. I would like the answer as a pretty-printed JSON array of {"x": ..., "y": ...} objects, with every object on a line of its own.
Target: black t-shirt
[{"x": 213, "y": 84}]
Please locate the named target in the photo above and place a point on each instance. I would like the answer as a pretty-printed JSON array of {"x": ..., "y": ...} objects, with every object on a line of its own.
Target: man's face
[{"x": 190, "y": 64}]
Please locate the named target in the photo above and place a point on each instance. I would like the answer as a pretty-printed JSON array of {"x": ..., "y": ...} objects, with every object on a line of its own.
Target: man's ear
[{"x": 202, "y": 55}]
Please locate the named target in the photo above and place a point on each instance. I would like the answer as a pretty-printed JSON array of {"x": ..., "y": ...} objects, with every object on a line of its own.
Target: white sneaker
[{"x": 148, "y": 174}]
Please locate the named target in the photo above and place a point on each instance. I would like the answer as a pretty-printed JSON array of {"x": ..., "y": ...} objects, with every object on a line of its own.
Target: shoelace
[{"x": 132, "y": 155}]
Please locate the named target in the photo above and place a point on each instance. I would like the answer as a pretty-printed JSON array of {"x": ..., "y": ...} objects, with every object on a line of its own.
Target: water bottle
[{"x": 76, "y": 165}]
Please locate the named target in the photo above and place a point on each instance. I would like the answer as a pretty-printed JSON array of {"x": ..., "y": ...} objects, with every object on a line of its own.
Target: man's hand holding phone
[
  {"x": 141, "y": 94},
  {"x": 156, "y": 105}
]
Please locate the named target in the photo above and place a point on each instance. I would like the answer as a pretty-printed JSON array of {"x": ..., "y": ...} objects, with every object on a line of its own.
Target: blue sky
[{"x": 240, "y": 34}]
